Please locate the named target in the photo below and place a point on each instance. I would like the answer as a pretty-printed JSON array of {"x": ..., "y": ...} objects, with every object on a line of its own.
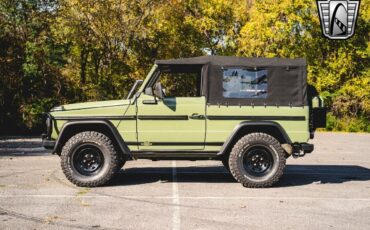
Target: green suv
[{"x": 249, "y": 113}]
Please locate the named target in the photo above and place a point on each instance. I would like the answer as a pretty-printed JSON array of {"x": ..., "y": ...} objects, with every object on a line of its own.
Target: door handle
[
  {"x": 196, "y": 116},
  {"x": 150, "y": 102}
]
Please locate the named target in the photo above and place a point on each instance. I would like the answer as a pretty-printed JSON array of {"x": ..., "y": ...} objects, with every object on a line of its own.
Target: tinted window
[{"x": 243, "y": 83}]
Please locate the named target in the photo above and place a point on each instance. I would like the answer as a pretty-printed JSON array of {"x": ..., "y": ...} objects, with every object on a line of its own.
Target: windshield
[{"x": 134, "y": 89}]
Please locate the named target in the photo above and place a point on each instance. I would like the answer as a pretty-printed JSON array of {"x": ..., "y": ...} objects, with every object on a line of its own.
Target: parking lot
[{"x": 329, "y": 188}]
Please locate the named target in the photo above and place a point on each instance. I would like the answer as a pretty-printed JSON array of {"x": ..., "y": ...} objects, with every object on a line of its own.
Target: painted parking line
[{"x": 175, "y": 199}]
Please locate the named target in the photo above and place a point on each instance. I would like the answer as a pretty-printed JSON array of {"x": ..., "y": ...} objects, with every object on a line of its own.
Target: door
[{"x": 176, "y": 122}]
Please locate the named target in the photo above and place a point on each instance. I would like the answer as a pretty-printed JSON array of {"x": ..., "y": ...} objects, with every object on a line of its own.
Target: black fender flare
[
  {"x": 249, "y": 124},
  {"x": 66, "y": 129}
]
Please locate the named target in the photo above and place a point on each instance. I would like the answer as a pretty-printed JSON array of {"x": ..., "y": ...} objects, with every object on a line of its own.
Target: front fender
[{"x": 70, "y": 128}]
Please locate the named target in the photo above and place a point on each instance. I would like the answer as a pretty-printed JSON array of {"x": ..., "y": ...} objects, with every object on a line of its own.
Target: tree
[
  {"x": 338, "y": 69},
  {"x": 28, "y": 80},
  {"x": 62, "y": 51}
]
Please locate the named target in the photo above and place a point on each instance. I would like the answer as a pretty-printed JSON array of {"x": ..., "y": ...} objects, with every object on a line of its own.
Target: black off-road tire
[
  {"x": 107, "y": 153},
  {"x": 240, "y": 160}
]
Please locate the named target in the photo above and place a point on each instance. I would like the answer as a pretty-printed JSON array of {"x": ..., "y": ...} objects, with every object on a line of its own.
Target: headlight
[{"x": 48, "y": 125}]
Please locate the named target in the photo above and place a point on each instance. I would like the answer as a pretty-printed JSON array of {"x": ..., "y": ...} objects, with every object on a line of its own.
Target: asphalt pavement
[{"x": 328, "y": 189}]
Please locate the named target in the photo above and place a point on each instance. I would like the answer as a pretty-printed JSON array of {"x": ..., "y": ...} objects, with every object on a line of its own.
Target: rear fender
[{"x": 269, "y": 127}]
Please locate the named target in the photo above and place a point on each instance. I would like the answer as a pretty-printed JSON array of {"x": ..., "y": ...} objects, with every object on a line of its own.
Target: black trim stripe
[
  {"x": 258, "y": 118},
  {"x": 176, "y": 143},
  {"x": 214, "y": 143},
  {"x": 131, "y": 143},
  {"x": 159, "y": 117},
  {"x": 182, "y": 117},
  {"x": 95, "y": 118},
  {"x": 142, "y": 117},
  {"x": 173, "y": 151}
]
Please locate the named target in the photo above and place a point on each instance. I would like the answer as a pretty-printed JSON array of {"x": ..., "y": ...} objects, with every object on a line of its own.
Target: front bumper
[
  {"x": 47, "y": 141},
  {"x": 48, "y": 144}
]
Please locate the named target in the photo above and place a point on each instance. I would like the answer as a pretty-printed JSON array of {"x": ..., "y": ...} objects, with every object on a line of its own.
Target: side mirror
[
  {"x": 158, "y": 92},
  {"x": 149, "y": 91}
]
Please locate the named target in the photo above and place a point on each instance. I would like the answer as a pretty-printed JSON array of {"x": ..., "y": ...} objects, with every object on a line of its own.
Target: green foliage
[
  {"x": 63, "y": 51},
  {"x": 347, "y": 124},
  {"x": 31, "y": 112}
]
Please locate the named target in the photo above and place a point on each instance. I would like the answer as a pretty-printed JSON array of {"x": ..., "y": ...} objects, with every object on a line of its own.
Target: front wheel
[
  {"x": 89, "y": 159},
  {"x": 257, "y": 160}
]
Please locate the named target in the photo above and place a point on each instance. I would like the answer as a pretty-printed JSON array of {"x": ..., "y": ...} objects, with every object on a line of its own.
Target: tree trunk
[{"x": 83, "y": 63}]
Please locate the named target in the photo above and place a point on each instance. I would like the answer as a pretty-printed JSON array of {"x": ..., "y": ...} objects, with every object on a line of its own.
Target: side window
[
  {"x": 181, "y": 84},
  {"x": 244, "y": 83}
]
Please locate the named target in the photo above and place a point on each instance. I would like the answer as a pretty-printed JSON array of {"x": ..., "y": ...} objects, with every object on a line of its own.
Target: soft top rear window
[{"x": 244, "y": 83}]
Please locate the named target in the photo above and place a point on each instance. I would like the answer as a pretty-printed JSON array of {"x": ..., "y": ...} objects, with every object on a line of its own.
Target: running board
[{"x": 174, "y": 155}]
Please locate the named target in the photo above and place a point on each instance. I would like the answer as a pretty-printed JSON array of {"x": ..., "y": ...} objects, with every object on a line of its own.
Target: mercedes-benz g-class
[{"x": 249, "y": 113}]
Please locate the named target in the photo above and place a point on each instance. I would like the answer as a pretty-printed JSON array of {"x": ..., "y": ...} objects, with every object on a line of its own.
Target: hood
[{"x": 90, "y": 105}]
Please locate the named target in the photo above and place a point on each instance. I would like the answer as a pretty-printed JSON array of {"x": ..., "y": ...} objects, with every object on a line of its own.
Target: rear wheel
[
  {"x": 257, "y": 160},
  {"x": 89, "y": 159}
]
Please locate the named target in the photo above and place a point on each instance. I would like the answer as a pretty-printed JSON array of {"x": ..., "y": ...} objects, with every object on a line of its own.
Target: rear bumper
[
  {"x": 307, "y": 148},
  {"x": 303, "y": 147}
]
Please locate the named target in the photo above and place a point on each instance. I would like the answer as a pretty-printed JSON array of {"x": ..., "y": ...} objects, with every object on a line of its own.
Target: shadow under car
[{"x": 294, "y": 175}]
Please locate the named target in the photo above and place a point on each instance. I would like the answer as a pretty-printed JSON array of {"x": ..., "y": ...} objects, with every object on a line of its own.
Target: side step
[{"x": 174, "y": 155}]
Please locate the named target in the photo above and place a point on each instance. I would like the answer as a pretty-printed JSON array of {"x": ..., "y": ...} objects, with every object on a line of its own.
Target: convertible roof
[
  {"x": 286, "y": 78},
  {"x": 238, "y": 61}
]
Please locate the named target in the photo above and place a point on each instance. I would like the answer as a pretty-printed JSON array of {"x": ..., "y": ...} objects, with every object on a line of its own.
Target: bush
[
  {"x": 32, "y": 113},
  {"x": 347, "y": 124}
]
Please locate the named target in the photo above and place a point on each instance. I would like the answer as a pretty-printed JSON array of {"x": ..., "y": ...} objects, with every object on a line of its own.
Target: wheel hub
[
  {"x": 258, "y": 161},
  {"x": 88, "y": 160}
]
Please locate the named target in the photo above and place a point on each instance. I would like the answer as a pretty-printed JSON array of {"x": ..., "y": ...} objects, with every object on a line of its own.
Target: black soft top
[
  {"x": 238, "y": 61},
  {"x": 287, "y": 83}
]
